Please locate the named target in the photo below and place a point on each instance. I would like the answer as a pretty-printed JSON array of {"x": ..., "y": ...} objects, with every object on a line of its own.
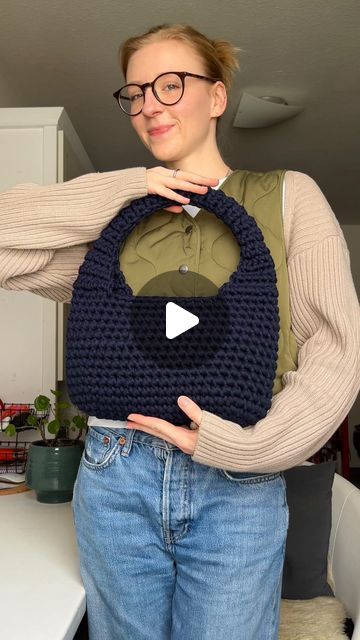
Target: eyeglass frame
[{"x": 182, "y": 75}]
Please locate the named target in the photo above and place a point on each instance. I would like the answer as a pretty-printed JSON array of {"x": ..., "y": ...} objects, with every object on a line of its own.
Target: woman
[{"x": 181, "y": 532}]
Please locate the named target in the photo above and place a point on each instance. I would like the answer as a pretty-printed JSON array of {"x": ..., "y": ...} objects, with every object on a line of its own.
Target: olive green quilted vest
[{"x": 205, "y": 244}]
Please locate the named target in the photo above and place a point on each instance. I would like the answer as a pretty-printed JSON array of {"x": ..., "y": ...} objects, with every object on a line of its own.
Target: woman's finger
[
  {"x": 161, "y": 181},
  {"x": 195, "y": 178},
  {"x": 192, "y": 410},
  {"x": 172, "y": 195},
  {"x": 154, "y": 429},
  {"x": 187, "y": 186},
  {"x": 159, "y": 173},
  {"x": 185, "y": 175},
  {"x": 174, "y": 209}
]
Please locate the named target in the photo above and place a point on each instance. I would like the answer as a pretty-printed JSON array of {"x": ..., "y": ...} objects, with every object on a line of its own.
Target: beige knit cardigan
[{"x": 44, "y": 231}]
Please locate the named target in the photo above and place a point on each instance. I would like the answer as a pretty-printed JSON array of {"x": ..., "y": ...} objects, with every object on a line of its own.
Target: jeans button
[
  {"x": 122, "y": 440},
  {"x": 106, "y": 439}
]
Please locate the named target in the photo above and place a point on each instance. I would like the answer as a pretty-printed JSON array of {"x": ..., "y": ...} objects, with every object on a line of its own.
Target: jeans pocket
[
  {"x": 248, "y": 477},
  {"x": 100, "y": 448}
]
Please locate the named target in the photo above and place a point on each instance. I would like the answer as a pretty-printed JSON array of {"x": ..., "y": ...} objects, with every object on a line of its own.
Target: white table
[{"x": 41, "y": 593}]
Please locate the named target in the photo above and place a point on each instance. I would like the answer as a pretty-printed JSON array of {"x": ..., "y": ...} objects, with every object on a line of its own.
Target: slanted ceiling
[{"x": 307, "y": 51}]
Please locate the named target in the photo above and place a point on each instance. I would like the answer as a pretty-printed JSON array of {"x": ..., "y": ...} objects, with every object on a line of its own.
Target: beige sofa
[
  {"x": 321, "y": 618},
  {"x": 344, "y": 548}
]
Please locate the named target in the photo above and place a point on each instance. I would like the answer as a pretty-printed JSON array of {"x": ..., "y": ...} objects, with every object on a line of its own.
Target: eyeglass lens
[{"x": 167, "y": 88}]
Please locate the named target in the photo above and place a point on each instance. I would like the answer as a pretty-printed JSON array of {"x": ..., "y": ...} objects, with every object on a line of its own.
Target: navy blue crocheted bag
[{"x": 109, "y": 376}]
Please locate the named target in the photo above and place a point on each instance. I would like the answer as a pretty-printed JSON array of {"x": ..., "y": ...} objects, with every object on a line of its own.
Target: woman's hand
[
  {"x": 160, "y": 181},
  {"x": 182, "y": 437}
]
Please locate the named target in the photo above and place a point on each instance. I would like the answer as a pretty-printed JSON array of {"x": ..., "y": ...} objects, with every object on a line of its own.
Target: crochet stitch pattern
[{"x": 108, "y": 376}]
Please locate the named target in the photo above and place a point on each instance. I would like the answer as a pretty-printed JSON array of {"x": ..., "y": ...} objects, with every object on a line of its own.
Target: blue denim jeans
[{"x": 175, "y": 550}]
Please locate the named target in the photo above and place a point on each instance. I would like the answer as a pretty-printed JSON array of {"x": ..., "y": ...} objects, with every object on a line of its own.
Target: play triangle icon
[{"x": 178, "y": 320}]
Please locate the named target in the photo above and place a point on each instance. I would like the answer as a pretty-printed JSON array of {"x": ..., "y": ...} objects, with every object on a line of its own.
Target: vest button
[
  {"x": 106, "y": 439},
  {"x": 183, "y": 268},
  {"x": 122, "y": 440},
  {"x": 188, "y": 229}
]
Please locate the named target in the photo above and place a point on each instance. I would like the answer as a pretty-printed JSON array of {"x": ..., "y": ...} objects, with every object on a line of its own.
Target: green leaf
[
  {"x": 63, "y": 405},
  {"x": 56, "y": 393},
  {"x": 54, "y": 426},
  {"x": 41, "y": 403},
  {"x": 10, "y": 429},
  {"x": 79, "y": 422},
  {"x": 31, "y": 420}
]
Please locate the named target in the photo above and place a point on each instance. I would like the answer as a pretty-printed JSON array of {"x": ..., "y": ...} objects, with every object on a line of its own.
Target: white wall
[{"x": 352, "y": 236}]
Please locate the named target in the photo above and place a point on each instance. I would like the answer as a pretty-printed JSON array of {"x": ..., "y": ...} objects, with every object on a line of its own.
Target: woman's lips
[{"x": 159, "y": 131}]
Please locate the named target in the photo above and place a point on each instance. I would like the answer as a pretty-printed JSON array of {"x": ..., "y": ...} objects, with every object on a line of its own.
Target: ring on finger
[{"x": 175, "y": 172}]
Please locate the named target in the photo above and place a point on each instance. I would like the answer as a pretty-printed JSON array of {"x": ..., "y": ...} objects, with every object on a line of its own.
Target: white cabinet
[{"x": 38, "y": 145}]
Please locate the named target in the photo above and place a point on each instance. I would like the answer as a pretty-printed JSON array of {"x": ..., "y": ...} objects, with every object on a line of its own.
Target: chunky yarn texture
[{"x": 108, "y": 376}]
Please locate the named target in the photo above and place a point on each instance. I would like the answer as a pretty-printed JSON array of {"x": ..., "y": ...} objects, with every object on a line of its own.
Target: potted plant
[{"x": 53, "y": 462}]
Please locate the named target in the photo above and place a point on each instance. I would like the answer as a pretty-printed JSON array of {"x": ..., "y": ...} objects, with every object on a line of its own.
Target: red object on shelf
[
  {"x": 12, "y": 453},
  {"x": 7, "y": 454},
  {"x": 13, "y": 409}
]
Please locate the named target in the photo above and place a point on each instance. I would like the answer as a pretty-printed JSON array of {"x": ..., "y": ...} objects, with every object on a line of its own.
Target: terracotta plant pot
[{"x": 52, "y": 471}]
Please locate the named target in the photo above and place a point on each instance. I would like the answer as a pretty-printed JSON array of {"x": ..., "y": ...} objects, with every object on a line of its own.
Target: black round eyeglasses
[{"x": 168, "y": 88}]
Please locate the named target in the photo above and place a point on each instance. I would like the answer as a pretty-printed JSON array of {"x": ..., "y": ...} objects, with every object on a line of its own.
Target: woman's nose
[{"x": 151, "y": 104}]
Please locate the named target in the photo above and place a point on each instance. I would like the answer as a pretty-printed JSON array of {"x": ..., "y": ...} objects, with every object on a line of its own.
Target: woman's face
[{"x": 175, "y": 132}]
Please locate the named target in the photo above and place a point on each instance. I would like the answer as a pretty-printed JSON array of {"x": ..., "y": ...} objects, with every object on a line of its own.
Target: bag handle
[{"x": 102, "y": 261}]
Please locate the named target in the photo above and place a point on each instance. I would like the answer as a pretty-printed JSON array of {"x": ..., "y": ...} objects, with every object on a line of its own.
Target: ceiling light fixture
[{"x": 254, "y": 112}]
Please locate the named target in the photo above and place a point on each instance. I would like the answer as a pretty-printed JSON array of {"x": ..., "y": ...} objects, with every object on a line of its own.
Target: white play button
[{"x": 178, "y": 320}]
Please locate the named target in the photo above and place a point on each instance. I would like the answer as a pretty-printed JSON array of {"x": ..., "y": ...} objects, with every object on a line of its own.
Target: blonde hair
[{"x": 219, "y": 56}]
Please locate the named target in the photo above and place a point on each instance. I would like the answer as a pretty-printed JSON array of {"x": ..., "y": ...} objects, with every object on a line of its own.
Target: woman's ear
[{"x": 219, "y": 99}]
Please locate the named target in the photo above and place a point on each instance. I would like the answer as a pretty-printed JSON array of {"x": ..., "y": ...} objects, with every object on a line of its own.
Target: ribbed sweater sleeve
[
  {"x": 44, "y": 229},
  {"x": 325, "y": 321}
]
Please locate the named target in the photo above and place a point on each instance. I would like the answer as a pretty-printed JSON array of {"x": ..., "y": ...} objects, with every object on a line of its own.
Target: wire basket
[
  {"x": 13, "y": 456},
  {"x": 13, "y": 453}
]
